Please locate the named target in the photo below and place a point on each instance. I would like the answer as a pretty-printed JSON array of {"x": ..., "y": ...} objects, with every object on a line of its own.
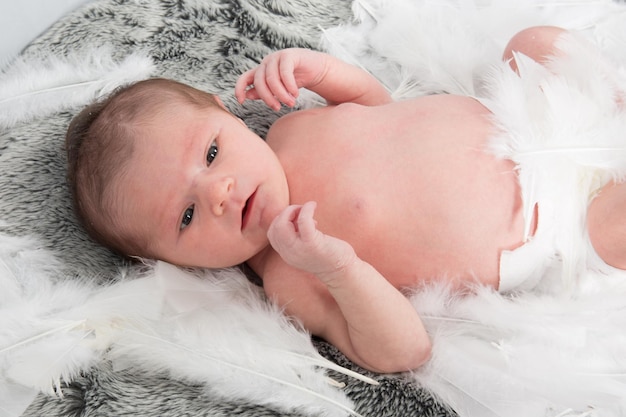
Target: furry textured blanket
[{"x": 88, "y": 334}]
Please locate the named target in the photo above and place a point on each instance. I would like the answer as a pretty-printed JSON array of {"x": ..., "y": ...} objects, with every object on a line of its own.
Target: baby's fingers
[
  {"x": 286, "y": 70},
  {"x": 306, "y": 224},
  {"x": 284, "y": 227},
  {"x": 244, "y": 86},
  {"x": 252, "y": 85},
  {"x": 262, "y": 89},
  {"x": 278, "y": 77}
]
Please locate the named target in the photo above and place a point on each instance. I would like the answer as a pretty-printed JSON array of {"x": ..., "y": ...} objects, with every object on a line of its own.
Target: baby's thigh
[
  {"x": 537, "y": 42},
  {"x": 606, "y": 222}
]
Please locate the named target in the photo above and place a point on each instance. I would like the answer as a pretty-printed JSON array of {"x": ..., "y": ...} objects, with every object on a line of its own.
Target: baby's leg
[
  {"x": 535, "y": 42},
  {"x": 606, "y": 222}
]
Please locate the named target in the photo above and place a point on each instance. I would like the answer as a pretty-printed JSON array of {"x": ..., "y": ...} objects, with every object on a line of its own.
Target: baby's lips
[{"x": 246, "y": 210}]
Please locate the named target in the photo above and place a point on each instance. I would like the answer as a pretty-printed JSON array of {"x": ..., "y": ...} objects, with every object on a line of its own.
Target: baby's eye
[
  {"x": 187, "y": 217},
  {"x": 212, "y": 153}
]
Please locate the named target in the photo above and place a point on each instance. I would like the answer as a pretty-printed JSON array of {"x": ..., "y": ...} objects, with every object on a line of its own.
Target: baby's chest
[{"x": 419, "y": 216}]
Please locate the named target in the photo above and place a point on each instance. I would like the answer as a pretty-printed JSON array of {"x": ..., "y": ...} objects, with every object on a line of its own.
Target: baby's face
[{"x": 203, "y": 188}]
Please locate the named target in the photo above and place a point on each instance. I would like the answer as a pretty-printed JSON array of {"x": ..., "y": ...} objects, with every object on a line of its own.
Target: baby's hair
[{"x": 99, "y": 144}]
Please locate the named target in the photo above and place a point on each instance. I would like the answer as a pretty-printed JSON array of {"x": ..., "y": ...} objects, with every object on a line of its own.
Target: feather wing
[
  {"x": 38, "y": 86},
  {"x": 211, "y": 327}
]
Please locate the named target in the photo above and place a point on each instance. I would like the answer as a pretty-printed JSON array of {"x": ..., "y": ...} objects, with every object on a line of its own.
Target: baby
[{"x": 338, "y": 211}]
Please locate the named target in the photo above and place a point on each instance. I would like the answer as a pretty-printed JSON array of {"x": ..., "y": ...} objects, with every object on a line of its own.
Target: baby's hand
[
  {"x": 294, "y": 235},
  {"x": 280, "y": 75}
]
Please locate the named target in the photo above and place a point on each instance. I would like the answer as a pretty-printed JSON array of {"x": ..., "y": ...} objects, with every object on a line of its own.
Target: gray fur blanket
[{"x": 206, "y": 43}]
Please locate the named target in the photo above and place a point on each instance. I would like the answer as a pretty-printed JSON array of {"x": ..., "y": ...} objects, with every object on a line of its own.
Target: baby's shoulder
[
  {"x": 295, "y": 125},
  {"x": 320, "y": 126}
]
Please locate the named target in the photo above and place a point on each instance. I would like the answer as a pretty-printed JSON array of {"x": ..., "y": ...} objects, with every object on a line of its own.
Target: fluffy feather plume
[
  {"x": 37, "y": 86},
  {"x": 563, "y": 125},
  {"x": 424, "y": 47},
  {"x": 220, "y": 331},
  {"x": 530, "y": 354},
  {"x": 52, "y": 330},
  {"x": 211, "y": 328},
  {"x": 14, "y": 397}
]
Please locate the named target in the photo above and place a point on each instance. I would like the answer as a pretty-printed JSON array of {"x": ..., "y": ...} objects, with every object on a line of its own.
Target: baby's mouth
[{"x": 245, "y": 212}]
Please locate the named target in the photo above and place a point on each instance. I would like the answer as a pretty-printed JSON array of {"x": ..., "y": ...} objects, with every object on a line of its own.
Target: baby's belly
[
  {"x": 413, "y": 188},
  {"x": 453, "y": 231}
]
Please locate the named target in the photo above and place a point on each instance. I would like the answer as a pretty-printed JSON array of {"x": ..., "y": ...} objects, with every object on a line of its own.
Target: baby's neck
[{"x": 258, "y": 262}]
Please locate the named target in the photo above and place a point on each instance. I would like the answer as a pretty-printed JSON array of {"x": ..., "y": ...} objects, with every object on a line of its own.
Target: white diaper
[
  {"x": 567, "y": 135},
  {"x": 546, "y": 253}
]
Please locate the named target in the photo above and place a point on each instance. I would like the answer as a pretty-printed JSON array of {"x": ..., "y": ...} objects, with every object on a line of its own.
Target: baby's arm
[
  {"x": 374, "y": 325},
  {"x": 280, "y": 75}
]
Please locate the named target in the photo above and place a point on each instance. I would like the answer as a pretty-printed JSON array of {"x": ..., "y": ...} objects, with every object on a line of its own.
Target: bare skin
[
  {"x": 390, "y": 191},
  {"x": 385, "y": 177},
  {"x": 344, "y": 206}
]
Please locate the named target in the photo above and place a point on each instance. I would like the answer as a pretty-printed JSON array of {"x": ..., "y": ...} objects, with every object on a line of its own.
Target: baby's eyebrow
[{"x": 168, "y": 219}]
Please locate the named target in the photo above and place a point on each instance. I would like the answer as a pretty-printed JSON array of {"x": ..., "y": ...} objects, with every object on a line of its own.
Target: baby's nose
[{"x": 220, "y": 192}]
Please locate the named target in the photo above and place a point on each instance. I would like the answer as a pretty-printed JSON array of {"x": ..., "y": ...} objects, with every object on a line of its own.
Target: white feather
[
  {"x": 52, "y": 330},
  {"x": 418, "y": 47},
  {"x": 38, "y": 86},
  {"x": 218, "y": 330},
  {"x": 14, "y": 398},
  {"x": 528, "y": 354},
  {"x": 210, "y": 327}
]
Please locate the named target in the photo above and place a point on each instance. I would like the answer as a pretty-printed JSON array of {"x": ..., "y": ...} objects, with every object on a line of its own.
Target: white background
[{"x": 23, "y": 20}]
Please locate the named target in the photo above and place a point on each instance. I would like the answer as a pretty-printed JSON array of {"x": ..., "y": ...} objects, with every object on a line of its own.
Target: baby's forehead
[{"x": 176, "y": 102}]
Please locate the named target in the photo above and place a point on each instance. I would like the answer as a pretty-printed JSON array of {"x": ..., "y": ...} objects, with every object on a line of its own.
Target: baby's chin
[{"x": 269, "y": 213}]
